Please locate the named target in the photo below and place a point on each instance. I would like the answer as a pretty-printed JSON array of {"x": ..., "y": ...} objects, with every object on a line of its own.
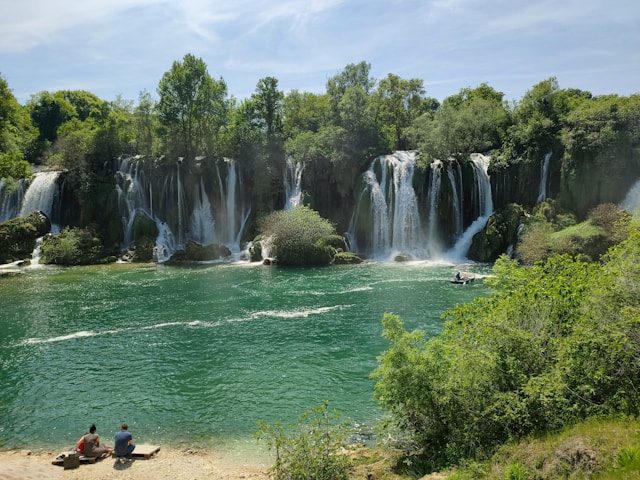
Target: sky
[{"x": 113, "y": 47}]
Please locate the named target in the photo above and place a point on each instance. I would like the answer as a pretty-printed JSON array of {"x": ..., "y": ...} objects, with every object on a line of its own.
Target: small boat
[{"x": 462, "y": 279}]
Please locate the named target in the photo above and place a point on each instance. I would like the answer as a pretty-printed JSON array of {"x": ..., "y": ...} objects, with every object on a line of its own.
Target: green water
[{"x": 199, "y": 355}]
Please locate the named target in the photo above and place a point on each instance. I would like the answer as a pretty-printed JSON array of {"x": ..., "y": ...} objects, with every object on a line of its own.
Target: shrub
[
  {"x": 555, "y": 343},
  {"x": 312, "y": 449},
  {"x": 299, "y": 236},
  {"x": 72, "y": 246}
]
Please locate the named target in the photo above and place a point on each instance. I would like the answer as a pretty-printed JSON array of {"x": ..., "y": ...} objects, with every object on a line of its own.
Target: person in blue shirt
[{"x": 124, "y": 442}]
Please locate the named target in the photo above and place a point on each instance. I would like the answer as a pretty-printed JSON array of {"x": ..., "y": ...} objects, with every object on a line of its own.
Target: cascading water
[
  {"x": 293, "y": 184},
  {"x": 234, "y": 211},
  {"x": 480, "y": 164},
  {"x": 394, "y": 218},
  {"x": 544, "y": 178},
  {"x": 202, "y": 223},
  {"x": 11, "y": 199},
  {"x": 434, "y": 203},
  {"x": 631, "y": 202},
  {"x": 456, "y": 200},
  {"x": 132, "y": 188},
  {"x": 40, "y": 194}
]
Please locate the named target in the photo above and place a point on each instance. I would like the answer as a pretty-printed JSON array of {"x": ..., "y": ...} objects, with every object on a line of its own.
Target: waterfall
[
  {"x": 544, "y": 178},
  {"x": 394, "y": 219},
  {"x": 131, "y": 196},
  {"x": 480, "y": 164},
  {"x": 37, "y": 252},
  {"x": 456, "y": 200},
  {"x": 232, "y": 203},
  {"x": 293, "y": 184},
  {"x": 40, "y": 194},
  {"x": 434, "y": 203},
  {"x": 180, "y": 204},
  {"x": 11, "y": 199},
  {"x": 202, "y": 224},
  {"x": 135, "y": 195},
  {"x": 631, "y": 202}
]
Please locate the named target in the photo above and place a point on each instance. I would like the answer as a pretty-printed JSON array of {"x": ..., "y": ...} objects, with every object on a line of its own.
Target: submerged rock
[
  {"x": 18, "y": 236},
  {"x": 195, "y": 252},
  {"x": 346, "y": 258}
]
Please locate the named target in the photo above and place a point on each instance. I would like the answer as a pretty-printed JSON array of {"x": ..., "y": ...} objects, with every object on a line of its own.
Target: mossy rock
[
  {"x": 255, "y": 251},
  {"x": 334, "y": 241},
  {"x": 500, "y": 231},
  {"x": 346, "y": 258},
  {"x": 143, "y": 251},
  {"x": 144, "y": 227},
  {"x": 402, "y": 258},
  {"x": 73, "y": 246},
  {"x": 195, "y": 252},
  {"x": 18, "y": 236}
]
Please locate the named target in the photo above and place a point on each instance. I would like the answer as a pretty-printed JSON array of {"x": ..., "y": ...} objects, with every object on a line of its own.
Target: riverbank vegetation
[{"x": 554, "y": 344}]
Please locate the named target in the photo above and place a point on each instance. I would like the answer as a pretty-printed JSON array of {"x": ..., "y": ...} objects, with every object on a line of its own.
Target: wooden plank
[{"x": 145, "y": 451}]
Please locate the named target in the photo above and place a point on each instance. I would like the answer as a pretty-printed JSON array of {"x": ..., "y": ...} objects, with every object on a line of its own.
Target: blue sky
[{"x": 113, "y": 47}]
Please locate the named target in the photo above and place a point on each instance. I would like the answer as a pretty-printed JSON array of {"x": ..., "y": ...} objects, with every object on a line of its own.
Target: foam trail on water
[{"x": 303, "y": 313}]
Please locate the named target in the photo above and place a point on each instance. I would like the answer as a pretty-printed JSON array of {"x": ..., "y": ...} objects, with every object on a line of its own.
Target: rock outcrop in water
[{"x": 18, "y": 236}]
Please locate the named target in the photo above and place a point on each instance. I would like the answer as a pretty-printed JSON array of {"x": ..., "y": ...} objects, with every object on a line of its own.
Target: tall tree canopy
[{"x": 192, "y": 107}]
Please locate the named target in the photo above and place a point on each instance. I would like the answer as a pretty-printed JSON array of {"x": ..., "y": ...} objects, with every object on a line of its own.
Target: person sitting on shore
[
  {"x": 124, "y": 442},
  {"x": 92, "y": 447}
]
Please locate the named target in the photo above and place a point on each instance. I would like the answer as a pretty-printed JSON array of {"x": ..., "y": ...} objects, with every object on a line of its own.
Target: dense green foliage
[
  {"x": 555, "y": 343},
  {"x": 72, "y": 246},
  {"x": 550, "y": 231},
  {"x": 310, "y": 449},
  {"x": 299, "y": 236},
  {"x": 18, "y": 236},
  {"x": 473, "y": 120},
  {"x": 598, "y": 448}
]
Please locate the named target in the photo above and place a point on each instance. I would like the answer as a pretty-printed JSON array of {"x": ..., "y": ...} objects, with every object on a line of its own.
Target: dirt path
[{"x": 170, "y": 464}]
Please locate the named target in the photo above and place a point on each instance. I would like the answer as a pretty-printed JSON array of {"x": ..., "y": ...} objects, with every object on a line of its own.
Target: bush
[
  {"x": 612, "y": 219},
  {"x": 299, "y": 236},
  {"x": 312, "y": 449},
  {"x": 72, "y": 246},
  {"x": 555, "y": 343},
  {"x": 538, "y": 243}
]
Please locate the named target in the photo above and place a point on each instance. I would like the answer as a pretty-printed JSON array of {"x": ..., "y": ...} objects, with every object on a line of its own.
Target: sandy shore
[{"x": 168, "y": 463}]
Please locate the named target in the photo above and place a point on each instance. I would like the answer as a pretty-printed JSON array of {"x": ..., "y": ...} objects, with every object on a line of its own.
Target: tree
[
  {"x": 354, "y": 75},
  {"x": 268, "y": 104},
  {"x": 192, "y": 107},
  {"x": 16, "y": 130},
  {"x": 145, "y": 124},
  {"x": 49, "y": 111},
  {"x": 304, "y": 111},
  {"x": 398, "y": 103},
  {"x": 473, "y": 120}
]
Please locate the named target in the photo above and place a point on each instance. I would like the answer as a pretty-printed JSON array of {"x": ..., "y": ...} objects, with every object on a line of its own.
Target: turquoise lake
[{"x": 198, "y": 355}]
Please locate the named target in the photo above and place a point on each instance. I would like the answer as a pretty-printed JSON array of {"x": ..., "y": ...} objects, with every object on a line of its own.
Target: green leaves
[
  {"x": 556, "y": 342},
  {"x": 311, "y": 449}
]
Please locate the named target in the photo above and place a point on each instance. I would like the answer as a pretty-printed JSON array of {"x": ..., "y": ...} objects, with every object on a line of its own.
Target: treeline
[{"x": 336, "y": 132}]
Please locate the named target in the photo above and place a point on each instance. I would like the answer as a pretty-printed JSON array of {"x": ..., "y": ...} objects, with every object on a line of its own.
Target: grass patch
[
  {"x": 581, "y": 230},
  {"x": 599, "y": 449}
]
